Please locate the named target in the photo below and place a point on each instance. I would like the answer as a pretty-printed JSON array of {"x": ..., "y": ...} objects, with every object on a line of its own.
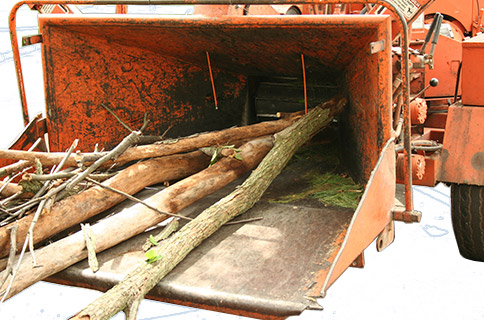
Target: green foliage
[
  {"x": 151, "y": 256},
  {"x": 328, "y": 182},
  {"x": 217, "y": 153},
  {"x": 338, "y": 190},
  {"x": 30, "y": 186},
  {"x": 153, "y": 240},
  {"x": 330, "y": 189}
]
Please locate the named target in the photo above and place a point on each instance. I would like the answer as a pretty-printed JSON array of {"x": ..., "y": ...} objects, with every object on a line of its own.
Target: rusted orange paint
[
  {"x": 320, "y": 276},
  {"x": 473, "y": 71},
  {"x": 371, "y": 217},
  {"x": 432, "y": 172},
  {"x": 418, "y": 111},
  {"x": 167, "y": 68},
  {"x": 465, "y": 12},
  {"x": 463, "y": 150},
  {"x": 418, "y": 168},
  {"x": 165, "y": 73}
]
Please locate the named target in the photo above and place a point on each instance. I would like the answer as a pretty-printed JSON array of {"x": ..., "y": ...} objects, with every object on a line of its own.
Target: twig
[
  {"x": 13, "y": 251},
  {"x": 91, "y": 247},
  {"x": 68, "y": 154},
  {"x": 171, "y": 227},
  {"x": 29, "y": 237},
  {"x": 11, "y": 178},
  {"x": 243, "y": 221},
  {"x": 19, "y": 210},
  {"x": 130, "y": 140},
  {"x": 20, "y": 165},
  {"x": 15, "y": 167},
  {"x": 153, "y": 139},
  {"x": 5, "y": 201},
  {"x": 30, "y": 233},
  {"x": 66, "y": 175},
  {"x": 14, "y": 274},
  {"x": 115, "y": 116},
  {"x": 146, "y": 121},
  {"x": 130, "y": 197}
]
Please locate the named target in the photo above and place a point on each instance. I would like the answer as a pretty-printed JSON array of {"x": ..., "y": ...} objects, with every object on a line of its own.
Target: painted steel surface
[
  {"x": 265, "y": 269},
  {"x": 165, "y": 73},
  {"x": 268, "y": 269},
  {"x": 399, "y": 26},
  {"x": 371, "y": 216},
  {"x": 473, "y": 71},
  {"x": 463, "y": 152},
  {"x": 465, "y": 12}
]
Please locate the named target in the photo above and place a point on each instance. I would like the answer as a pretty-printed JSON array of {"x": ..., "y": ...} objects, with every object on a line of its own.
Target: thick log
[
  {"x": 165, "y": 148},
  {"x": 136, "y": 219},
  {"x": 9, "y": 190},
  {"x": 80, "y": 207},
  {"x": 127, "y": 294}
]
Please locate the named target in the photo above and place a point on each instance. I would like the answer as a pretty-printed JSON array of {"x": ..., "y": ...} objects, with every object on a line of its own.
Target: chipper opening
[{"x": 197, "y": 74}]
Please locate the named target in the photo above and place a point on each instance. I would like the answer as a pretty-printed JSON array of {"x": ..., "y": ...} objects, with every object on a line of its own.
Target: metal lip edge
[
  {"x": 309, "y": 21},
  {"x": 166, "y": 291}
]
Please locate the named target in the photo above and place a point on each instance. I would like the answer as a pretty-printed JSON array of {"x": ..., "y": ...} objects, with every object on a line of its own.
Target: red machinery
[{"x": 257, "y": 49}]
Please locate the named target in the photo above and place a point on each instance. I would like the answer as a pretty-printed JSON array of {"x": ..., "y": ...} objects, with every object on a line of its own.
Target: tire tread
[{"x": 467, "y": 206}]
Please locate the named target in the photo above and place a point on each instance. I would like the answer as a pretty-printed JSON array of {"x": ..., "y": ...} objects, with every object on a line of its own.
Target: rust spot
[
  {"x": 445, "y": 155},
  {"x": 477, "y": 161}
]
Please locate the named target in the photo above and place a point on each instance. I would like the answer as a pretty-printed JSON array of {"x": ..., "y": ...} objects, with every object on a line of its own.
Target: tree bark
[
  {"x": 134, "y": 220},
  {"x": 84, "y": 205},
  {"x": 127, "y": 294},
  {"x": 164, "y": 148},
  {"x": 10, "y": 189}
]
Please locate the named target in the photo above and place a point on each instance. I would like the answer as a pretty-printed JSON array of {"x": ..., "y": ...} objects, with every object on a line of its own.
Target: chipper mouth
[{"x": 198, "y": 74}]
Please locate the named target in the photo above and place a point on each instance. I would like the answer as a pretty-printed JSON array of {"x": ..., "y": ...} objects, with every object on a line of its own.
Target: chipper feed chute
[{"x": 201, "y": 74}]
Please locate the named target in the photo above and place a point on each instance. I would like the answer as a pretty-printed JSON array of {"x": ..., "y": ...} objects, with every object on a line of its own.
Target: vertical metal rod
[
  {"x": 121, "y": 9},
  {"x": 211, "y": 80},
  {"x": 18, "y": 64},
  {"x": 305, "y": 87}
]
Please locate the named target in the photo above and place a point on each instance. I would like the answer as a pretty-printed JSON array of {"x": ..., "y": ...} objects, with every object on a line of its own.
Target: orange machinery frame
[{"x": 401, "y": 22}]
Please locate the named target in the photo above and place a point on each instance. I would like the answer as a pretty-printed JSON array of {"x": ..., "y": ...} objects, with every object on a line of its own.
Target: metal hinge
[
  {"x": 377, "y": 46},
  {"x": 33, "y": 39}
]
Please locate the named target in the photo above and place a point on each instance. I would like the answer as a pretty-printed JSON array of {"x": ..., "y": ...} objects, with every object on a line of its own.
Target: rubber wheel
[
  {"x": 467, "y": 207},
  {"x": 293, "y": 11}
]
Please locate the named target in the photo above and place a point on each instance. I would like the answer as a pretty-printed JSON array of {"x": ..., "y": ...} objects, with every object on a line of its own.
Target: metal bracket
[
  {"x": 377, "y": 46},
  {"x": 33, "y": 39},
  {"x": 407, "y": 216},
  {"x": 359, "y": 262},
  {"x": 386, "y": 237}
]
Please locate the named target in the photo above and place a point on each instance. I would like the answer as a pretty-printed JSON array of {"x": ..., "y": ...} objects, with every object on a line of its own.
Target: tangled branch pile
[{"x": 69, "y": 188}]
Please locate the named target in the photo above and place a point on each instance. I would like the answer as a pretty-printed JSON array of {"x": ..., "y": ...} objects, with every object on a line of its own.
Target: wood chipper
[{"x": 238, "y": 64}]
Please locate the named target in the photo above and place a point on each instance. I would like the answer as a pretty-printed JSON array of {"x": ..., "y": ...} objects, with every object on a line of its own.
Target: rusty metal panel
[
  {"x": 269, "y": 269},
  {"x": 265, "y": 269},
  {"x": 448, "y": 56},
  {"x": 371, "y": 217},
  {"x": 93, "y": 60},
  {"x": 463, "y": 150},
  {"x": 367, "y": 118},
  {"x": 473, "y": 71}
]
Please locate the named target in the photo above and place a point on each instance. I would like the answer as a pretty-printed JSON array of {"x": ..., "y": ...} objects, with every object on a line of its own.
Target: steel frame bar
[{"x": 386, "y": 3}]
